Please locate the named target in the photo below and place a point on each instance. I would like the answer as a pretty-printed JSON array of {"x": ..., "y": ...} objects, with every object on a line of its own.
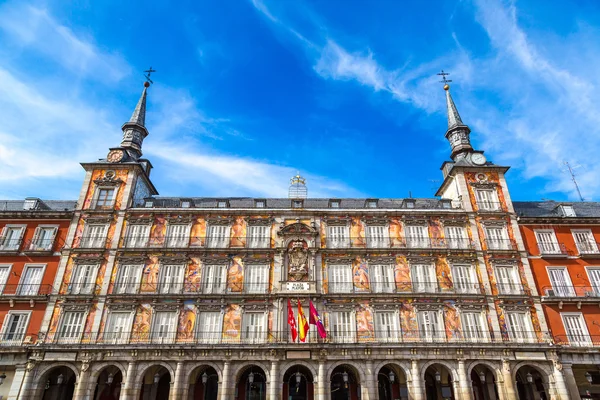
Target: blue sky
[{"x": 248, "y": 92}]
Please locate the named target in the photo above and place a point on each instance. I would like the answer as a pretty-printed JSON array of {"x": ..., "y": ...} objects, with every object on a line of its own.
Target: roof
[
  {"x": 550, "y": 209},
  {"x": 37, "y": 205},
  {"x": 286, "y": 203}
]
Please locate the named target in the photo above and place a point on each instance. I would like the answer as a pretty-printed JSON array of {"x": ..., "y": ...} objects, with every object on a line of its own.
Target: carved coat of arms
[{"x": 297, "y": 261}]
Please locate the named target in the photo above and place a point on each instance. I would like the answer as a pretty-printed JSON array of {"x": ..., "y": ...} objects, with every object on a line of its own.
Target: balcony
[
  {"x": 408, "y": 287},
  {"x": 554, "y": 250},
  {"x": 25, "y": 290},
  {"x": 193, "y": 242},
  {"x": 10, "y": 245},
  {"x": 189, "y": 288},
  {"x": 417, "y": 243},
  {"x": 512, "y": 289},
  {"x": 44, "y": 246},
  {"x": 500, "y": 245},
  {"x": 566, "y": 293},
  {"x": 489, "y": 206},
  {"x": 102, "y": 205},
  {"x": 92, "y": 243},
  {"x": 384, "y": 337},
  {"x": 588, "y": 249},
  {"x": 577, "y": 341}
]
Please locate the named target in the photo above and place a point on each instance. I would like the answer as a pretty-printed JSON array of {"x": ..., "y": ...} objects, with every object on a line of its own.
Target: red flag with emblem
[{"x": 292, "y": 321}]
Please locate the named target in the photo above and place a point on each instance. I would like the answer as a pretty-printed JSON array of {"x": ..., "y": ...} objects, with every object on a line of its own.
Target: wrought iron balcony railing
[
  {"x": 211, "y": 242},
  {"x": 514, "y": 289},
  {"x": 588, "y": 248},
  {"x": 92, "y": 242},
  {"x": 407, "y": 242},
  {"x": 490, "y": 206},
  {"x": 553, "y": 249},
  {"x": 369, "y": 286},
  {"x": 570, "y": 291},
  {"x": 25, "y": 290},
  {"x": 577, "y": 340},
  {"x": 10, "y": 245},
  {"x": 500, "y": 244},
  {"x": 189, "y": 288},
  {"x": 42, "y": 245},
  {"x": 234, "y": 336}
]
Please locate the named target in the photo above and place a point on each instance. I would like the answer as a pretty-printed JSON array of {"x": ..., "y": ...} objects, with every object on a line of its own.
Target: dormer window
[
  {"x": 297, "y": 204},
  {"x": 447, "y": 204},
  {"x": 222, "y": 204},
  {"x": 371, "y": 203},
  {"x": 185, "y": 204},
  {"x": 149, "y": 204},
  {"x": 567, "y": 211},
  {"x": 410, "y": 203},
  {"x": 334, "y": 204},
  {"x": 259, "y": 204},
  {"x": 30, "y": 204}
]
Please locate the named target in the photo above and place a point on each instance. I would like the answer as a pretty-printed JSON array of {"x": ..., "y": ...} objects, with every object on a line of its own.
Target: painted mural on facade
[
  {"x": 357, "y": 232},
  {"x": 451, "y": 320},
  {"x": 396, "y": 231},
  {"x": 186, "y": 322},
  {"x": 442, "y": 271},
  {"x": 365, "y": 329},
  {"x": 238, "y": 232},
  {"x": 120, "y": 174},
  {"x": 232, "y": 323},
  {"x": 198, "y": 232},
  {"x": 402, "y": 274},
  {"x": 360, "y": 275},
  {"x": 141, "y": 322},
  {"x": 158, "y": 231},
  {"x": 235, "y": 275},
  {"x": 193, "y": 276},
  {"x": 150, "y": 275},
  {"x": 408, "y": 320}
]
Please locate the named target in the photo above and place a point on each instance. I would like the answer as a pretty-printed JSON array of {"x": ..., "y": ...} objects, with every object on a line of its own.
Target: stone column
[
  {"x": 509, "y": 385},
  {"x": 465, "y": 388},
  {"x": 561, "y": 387},
  {"x": 274, "y": 384},
  {"x": 371, "y": 382},
  {"x": 176, "y": 391},
  {"x": 17, "y": 382},
  {"x": 81, "y": 386},
  {"x": 571, "y": 383},
  {"x": 416, "y": 390},
  {"x": 27, "y": 390},
  {"x": 321, "y": 382},
  {"x": 128, "y": 391},
  {"x": 226, "y": 392}
]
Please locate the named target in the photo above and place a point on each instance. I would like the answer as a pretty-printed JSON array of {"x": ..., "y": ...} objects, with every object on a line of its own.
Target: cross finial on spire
[
  {"x": 147, "y": 74},
  {"x": 444, "y": 80}
]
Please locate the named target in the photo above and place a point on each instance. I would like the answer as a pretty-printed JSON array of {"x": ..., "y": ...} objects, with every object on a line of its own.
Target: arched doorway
[
  {"x": 484, "y": 383},
  {"x": 252, "y": 384},
  {"x": 391, "y": 383},
  {"x": 59, "y": 384},
  {"x": 345, "y": 384},
  {"x": 298, "y": 384},
  {"x": 156, "y": 383},
  {"x": 204, "y": 384},
  {"x": 108, "y": 385},
  {"x": 438, "y": 383},
  {"x": 531, "y": 384}
]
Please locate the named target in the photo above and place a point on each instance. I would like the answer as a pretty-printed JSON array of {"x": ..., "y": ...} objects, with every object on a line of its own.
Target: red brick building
[
  {"x": 32, "y": 235},
  {"x": 562, "y": 244}
]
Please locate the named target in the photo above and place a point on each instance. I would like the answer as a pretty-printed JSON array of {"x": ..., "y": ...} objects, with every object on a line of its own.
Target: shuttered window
[
  {"x": 519, "y": 326},
  {"x": 417, "y": 236},
  {"x": 473, "y": 327},
  {"x": 178, "y": 235},
  {"x": 43, "y": 238},
  {"x": 254, "y": 330},
  {"x": 214, "y": 278},
  {"x": 456, "y": 237},
  {"x": 31, "y": 280},
  {"x": 423, "y": 278},
  {"x": 340, "y": 279},
  {"x": 342, "y": 326},
  {"x": 256, "y": 278},
  {"x": 4, "y": 270},
  {"x": 72, "y": 325},
  {"x": 258, "y": 236},
  {"x": 83, "y": 280},
  {"x": 464, "y": 278},
  {"x": 377, "y": 236},
  {"x": 94, "y": 236},
  {"x": 585, "y": 241},
  {"x": 337, "y": 237},
  {"x": 386, "y": 326},
  {"x": 382, "y": 278},
  {"x": 128, "y": 279},
  {"x": 576, "y": 329},
  {"x": 119, "y": 327},
  {"x": 431, "y": 325},
  {"x": 496, "y": 238},
  {"x": 486, "y": 199},
  {"x": 217, "y": 236},
  {"x": 506, "y": 280},
  {"x": 164, "y": 327},
  {"x": 209, "y": 326},
  {"x": 11, "y": 238},
  {"x": 137, "y": 236},
  {"x": 14, "y": 326},
  {"x": 546, "y": 241},
  {"x": 594, "y": 275},
  {"x": 171, "y": 278},
  {"x": 561, "y": 282}
]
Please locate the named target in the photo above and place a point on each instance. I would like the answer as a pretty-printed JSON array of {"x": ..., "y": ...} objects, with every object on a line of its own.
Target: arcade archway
[
  {"x": 345, "y": 383},
  {"x": 252, "y": 384},
  {"x": 484, "y": 383},
  {"x": 391, "y": 383},
  {"x": 108, "y": 384},
  {"x": 438, "y": 383},
  {"x": 531, "y": 384},
  {"x": 59, "y": 384},
  {"x": 204, "y": 384},
  {"x": 156, "y": 383},
  {"x": 298, "y": 384}
]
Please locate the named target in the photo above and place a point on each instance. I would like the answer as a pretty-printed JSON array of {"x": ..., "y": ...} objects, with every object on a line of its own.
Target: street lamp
[
  {"x": 588, "y": 376},
  {"x": 156, "y": 378},
  {"x": 110, "y": 379},
  {"x": 392, "y": 376},
  {"x": 482, "y": 377},
  {"x": 251, "y": 377},
  {"x": 204, "y": 378},
  {"x": 298, "y": 378},
  {"x": 345, "y": 377},
  {"x": 3, "y": 377},
  {"x": 529, "y": 377},
  {"x": 60, "y": 379},
  {"x": 438, "y": 376}
]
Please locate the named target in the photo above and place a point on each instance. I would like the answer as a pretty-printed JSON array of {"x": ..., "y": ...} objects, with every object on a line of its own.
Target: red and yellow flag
[{"x": 302, "y": 323}]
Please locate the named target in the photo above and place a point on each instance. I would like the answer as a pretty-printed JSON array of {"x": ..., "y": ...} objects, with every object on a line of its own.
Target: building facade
[
  {"x": 32, "y": 234},
  {"x": 562, "y": 242},
  {"x": 187, "y": 298}
]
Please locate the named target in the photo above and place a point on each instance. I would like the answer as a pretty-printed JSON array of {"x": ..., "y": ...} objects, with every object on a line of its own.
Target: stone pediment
[{"x": 296, "y": 229}]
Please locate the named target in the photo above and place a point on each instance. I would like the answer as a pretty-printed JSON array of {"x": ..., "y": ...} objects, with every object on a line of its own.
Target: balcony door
[{"x": 561, "y": 282}]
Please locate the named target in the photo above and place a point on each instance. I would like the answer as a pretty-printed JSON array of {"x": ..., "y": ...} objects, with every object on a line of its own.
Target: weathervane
[
  {"x": 147, "y": 74},
  {"x": 444, "y": 80}
]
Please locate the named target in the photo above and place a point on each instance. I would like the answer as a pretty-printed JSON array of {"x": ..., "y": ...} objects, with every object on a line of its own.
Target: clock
[
  {"x": 478, "y": 158},
  {"x": 114, "y": 156}
]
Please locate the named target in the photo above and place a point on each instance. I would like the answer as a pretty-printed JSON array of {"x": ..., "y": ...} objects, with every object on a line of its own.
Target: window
[
  {"x": 377, "y": 236},
  {"x": 222, "y": 204},
  {"x": 43, "y": 238},
  {"x": 456, "y": 237},
  {"x": 567, "y": 211},
  {"x": 547, "y": 243},
  {"x": 337, "y": 236},
  {"x": 576, "y": 329},
  {"x": 104, "y": 198},
  {"x": 506, "y": 280},
  {"x": 254, "y": 330},
  {"x": 178, "y": 235},
  {"x": 594, "y": 276},
  {"x": 259, "y": 204},
  {"x": 386, "y": 326},
  {"x": 164, "y": 327},
  {"x": 382, "y": 278},
  {"x": 464, "y": 278},
  {"x": 29, "y": 285},
  {"x": 256, "y": 278},
  {"x": 423, "y": 278},
  {"x": 258, "y": 236},
  {"x": 218, "y": 236},
  {"x": 149, "y": 204},
  {"x": 72, "y": 326},
  {"x": 519, "y": 326},
  {"x": 128, "y": 279},
  {"x": 30, "y": 204},
  {"x": 409, "y": 203},
  {"x": 561, "y": 282},
  {"x": 297, "y": 203},
  {"x": 417, "y": 236},
  {"x": 371, "y": 203},
  {"x": 431, "y": 325},
  {"x": 94, "y": 236},
  {"x": 185, "y": 204},
  {"x": 340, "y": 279},
  {"x": 473, "y": 327},
  {"x": 214, "y": 278},
  {"x": 341, "y": 326},
  {"x": 83, "y": 280},
  {"x": 4, "y": 271},
  {"x": 497, "y": 238},
  {"x": 11, "y": 238},
  {"x": 171, "y": 278},
  {"x": 334, "y": 204},
  {"x": 14, "y": 326},
  {"x": 486, "y": 199},
  {"x": 209, "y": 327},
  {"x": 137, "y": 236},
  {"x": 584, "y": 239},
  {"x": 118, "y": 327}
]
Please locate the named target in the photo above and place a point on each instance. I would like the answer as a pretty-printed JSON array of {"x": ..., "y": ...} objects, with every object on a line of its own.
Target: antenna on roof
[{"x": 574, "y": 180}]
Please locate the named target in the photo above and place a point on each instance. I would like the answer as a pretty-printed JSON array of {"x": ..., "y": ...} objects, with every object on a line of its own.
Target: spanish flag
[{"x": 302, "y": 323}]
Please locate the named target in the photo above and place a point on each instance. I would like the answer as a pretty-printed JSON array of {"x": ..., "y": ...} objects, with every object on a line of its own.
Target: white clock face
[{"x": 478, "y": 159}]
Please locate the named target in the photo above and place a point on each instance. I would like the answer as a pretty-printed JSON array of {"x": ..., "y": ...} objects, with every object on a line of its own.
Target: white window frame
[
  {"x": 575, "y": 339},
  {"x": 258, "y": 241},
  {"x": 438, "y": 332},
  {"x": 4, "y": 245},
  {"x": 490, "y": 203},
  {"x": 96, "y": 242},
  {"x": 254, "y": 335},
  {"x": 568, "y": 210},
  {"x": 387, "y": 333},
  {"x": 471, "y": 285},
  {"x": 497, "y": 243},
  {"x": 343, "y": 286},
  {"x": 74, "y": 338},
  {"x": 172, "y": 286},
  {"x": 378, "y": 240},
  {"x": 83, "y": 287},
  {"x": 460, "y": 242},
  {"x": 338, "y": 240},
  {"x": 514, "y": 286},
  {"x": 382, "y": 278},
  {"x": 520, "y": 335},
  {"x": 481, "y": 332},
  {"x": 4, "y": 282},
  {"x": 595, "y": 285},
  {"x": 97, "y": 196},
  {"x": 564, "y": 290},
  {"x": 545, "y": 247},
  {"x": 420, "y": 241},
  {"x": 5, "y": 323},
  {"x": 220, "y": 241},
  {"x": 210, "y": 336},
  {"x": 35, "y": 246},
  {"x": 133, "y": 284},
  {"x": 29, "y": 290},
  {"x": 135, "y": 241},
  {"x": 180, "y": 240},
  {"x": 171, "y": 334},
  {"x": 256, "y": 278},
  {"x": 214, "y": 286},
  {"x": 342, "y": 336},
  {"x": 419, "y": 283},
  {"x": 585, "y": 248},
  {"x": 112, "y": 336}
]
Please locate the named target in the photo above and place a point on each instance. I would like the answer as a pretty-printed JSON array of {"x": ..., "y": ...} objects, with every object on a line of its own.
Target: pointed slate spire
[
  {"x": 134, "y": 130},
  {"x": 457, "y": 133},
  {"x": 139, "y": 114},
  {"x": 453, "y": 116}
]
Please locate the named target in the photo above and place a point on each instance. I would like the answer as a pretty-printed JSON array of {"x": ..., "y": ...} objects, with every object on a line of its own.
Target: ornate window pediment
[
  {"x": 297, "y": 228},
  {"x": 215, "y": 220},
  {"x": 139, "y": 219},
  {"x": 179, "y": 219},
  {"x": 122, "y": 306},
  {"x": 428, "y": 306},
  {"x": 109, "y": 179},
  {"x": 260, "y": 221},
  {"x": 415, "y": 221},
  {"x": 336, "y": 221},
  {"x": 515, "y": 307},
  {"x": 494, "y": 222},
  {"x": 166, "y": 306},
  {"x": 133, "y": 260}
]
